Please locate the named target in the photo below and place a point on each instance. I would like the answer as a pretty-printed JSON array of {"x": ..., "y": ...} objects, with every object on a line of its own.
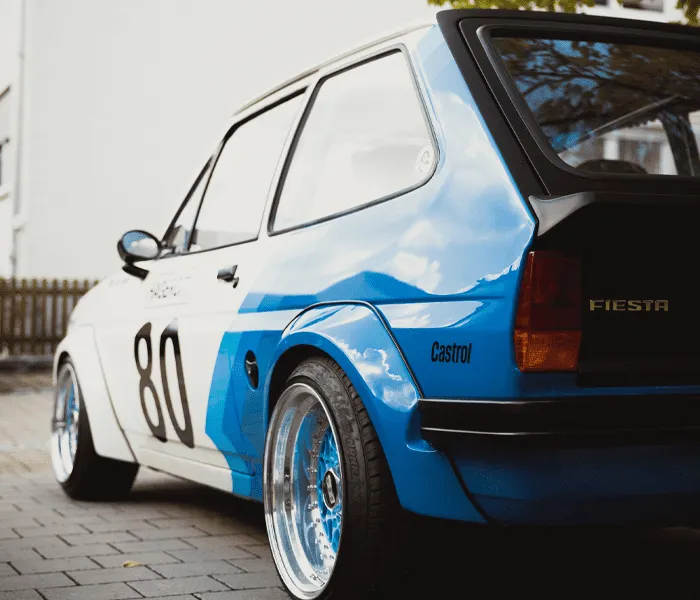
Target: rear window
[{"x": 611, "y": 108}]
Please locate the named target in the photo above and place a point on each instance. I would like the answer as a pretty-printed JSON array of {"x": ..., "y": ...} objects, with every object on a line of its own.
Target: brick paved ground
[{"x": 183, "y": 541}]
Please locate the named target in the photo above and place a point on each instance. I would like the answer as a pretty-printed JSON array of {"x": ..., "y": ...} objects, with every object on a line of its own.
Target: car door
[
  {"x": 218, "y": 268},
  {"x": 139, "y": 311}
]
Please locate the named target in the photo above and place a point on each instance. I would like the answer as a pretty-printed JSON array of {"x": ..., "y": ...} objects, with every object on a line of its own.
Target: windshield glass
[{"x": 608, "y": 107}]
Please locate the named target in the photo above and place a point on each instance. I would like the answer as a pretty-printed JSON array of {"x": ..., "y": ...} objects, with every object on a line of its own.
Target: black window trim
[
  {"x": 399, "y": 48},
  {"x": 567, "y": 31},
  {"x": 191, "y": 191},
  {"x": 208, "y": 170}
]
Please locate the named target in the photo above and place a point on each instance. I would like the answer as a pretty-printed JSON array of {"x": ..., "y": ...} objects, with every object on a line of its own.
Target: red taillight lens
[{"x": 548, "y": 322}]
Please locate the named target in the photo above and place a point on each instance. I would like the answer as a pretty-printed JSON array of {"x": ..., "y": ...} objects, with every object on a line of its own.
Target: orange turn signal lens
[{"x": 547, "y": 350}]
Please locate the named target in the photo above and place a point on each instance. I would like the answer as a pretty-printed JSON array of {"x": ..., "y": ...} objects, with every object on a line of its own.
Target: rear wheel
[
  {"x": 82, "y": 473},
  {"x": 330, "y": 506}
]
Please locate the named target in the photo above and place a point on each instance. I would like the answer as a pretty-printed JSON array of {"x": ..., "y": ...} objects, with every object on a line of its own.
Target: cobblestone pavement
[
  {"x": 179, "y": 540},
  {"x": 176, "y": 540}
]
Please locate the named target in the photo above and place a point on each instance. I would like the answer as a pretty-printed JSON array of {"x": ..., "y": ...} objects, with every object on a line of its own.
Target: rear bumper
[{"x": 562, "y": 422}]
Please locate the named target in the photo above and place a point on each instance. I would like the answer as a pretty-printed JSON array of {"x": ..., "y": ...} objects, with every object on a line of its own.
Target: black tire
[
  {"x": 94, "y": 477},
  {"x": 368, "y": 557}
]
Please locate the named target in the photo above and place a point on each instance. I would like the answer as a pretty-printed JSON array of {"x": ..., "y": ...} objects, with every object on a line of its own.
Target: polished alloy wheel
[
  {"x": 65, "y": 423},
  {"x": 303, "y": 491}
]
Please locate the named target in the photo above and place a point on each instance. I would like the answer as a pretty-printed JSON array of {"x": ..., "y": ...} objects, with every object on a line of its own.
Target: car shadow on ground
[{"x": 453, "y": 560}]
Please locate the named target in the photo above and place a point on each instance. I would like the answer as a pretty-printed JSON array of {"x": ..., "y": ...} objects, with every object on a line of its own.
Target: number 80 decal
[{"x": 185, "y": 434}]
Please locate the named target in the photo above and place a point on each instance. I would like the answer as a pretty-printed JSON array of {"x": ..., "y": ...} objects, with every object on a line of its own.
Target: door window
[
  {"x": 237, "y": 191},
  {"x": 366, "y": 138}
]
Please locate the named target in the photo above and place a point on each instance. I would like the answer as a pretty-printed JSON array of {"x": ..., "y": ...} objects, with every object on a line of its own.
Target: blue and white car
[{"x": 450, "y": 273}]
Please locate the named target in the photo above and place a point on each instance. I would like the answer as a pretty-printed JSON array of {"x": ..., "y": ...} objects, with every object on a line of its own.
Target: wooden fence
[{"x": 34, "y": 313}]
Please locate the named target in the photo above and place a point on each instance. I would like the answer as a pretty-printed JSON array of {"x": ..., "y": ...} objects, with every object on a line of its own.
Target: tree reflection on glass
[{"x": 582, "y": 90}]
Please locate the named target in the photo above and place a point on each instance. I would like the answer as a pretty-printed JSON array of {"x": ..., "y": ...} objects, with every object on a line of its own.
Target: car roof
[{"x": 309, "y": 72}]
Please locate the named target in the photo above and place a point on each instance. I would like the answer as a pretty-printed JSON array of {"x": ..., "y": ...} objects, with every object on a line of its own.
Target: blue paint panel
[
  {"x": 237, "y": 413},
  {"x": 356, "y": 338},
  {"x": 590, "y": 485}
]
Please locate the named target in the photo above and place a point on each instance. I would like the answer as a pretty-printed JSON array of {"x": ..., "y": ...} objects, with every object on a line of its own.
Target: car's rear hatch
[{"x": 607, "y": 113}]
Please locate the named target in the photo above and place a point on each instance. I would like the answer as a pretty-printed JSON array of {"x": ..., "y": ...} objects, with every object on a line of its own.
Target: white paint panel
[
  {"x": 107, "y": 436},
  {"x": 218, "y": 477}
]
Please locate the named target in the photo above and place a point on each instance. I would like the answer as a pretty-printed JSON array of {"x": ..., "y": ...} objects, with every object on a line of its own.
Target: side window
[
  {"x": 235, "y": 197},
  {"x": 177, "y": 237},
  {"x": 365, "y": 138}
]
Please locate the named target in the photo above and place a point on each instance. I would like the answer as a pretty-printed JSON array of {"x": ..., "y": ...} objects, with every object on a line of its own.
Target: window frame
[
  {"x": 518, "y": 108},
  {"x": 333, "y": 71},
  {"x": 178, "y": 212},
  {"x": 219, "y": 150}
]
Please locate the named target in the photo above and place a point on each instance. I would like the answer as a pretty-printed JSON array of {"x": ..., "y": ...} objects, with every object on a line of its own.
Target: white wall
[
  {"x": 126, "y": 98},
  {"x": 9, "y": 50}
]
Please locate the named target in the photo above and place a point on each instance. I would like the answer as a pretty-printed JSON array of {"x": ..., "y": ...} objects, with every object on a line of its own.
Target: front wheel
[
  {"x": 330, "y": 505},
  {"x": 82, "y": 473}
]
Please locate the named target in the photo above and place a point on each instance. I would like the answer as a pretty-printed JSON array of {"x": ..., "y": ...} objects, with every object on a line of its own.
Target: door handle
[{"x": 228, "y": 274}]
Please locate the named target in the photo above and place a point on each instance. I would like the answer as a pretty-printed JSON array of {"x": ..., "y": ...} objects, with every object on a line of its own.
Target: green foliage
[{"x": 690, "y": 8}]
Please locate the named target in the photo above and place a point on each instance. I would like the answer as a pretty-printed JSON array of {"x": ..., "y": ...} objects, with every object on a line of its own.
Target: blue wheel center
[{"x": 329, "y": 489}]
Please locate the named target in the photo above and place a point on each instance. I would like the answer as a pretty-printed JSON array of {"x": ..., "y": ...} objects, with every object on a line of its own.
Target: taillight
[{"x": 548, "y": 321}]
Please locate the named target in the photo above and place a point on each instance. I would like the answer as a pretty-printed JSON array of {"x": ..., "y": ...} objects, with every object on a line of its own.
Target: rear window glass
[{"x": 607, "y": 107}]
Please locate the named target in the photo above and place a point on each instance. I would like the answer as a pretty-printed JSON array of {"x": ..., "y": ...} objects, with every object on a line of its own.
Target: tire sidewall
[{"x": 338, "y": 407}]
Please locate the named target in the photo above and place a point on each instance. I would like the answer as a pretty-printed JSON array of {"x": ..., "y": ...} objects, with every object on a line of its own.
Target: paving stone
[
  {"x": 196, "y": 555},
  {"x": 168, "y": 533},
  {"x": 110, "y": 537},
  {"x": 143, "y": 558},
  {"x": 172, "y": 523},
  {"x": 56, "y": 519},
  {"x": 260, "y": 550},
  {"x": 247, "y": 581},
  {"x": 62, "y": 529},
  {"x": 188, "y": 569},
  {"x": 112, "y": 575},
  {"x": 69, "y": 551},
  {"x": 53, "y": 565},
  {"x": 8, "y": 534},
  {"x": 18, "y": 520},
  {"x": 33, "y": 542},
  {"x": 28, "y": 582},
  {"x": 6, "y": 569},
  {"x": 253, "y": 565},
  {"x": 221, "y": 541},
  {"x": 119, "y": 525},
  {"x": 106, "y": 591},
  {"x": 178, "y": 585},
  {"x": 152, "y": 545},
  {"x": 218, "y": 528},
  {"x": 262, "y": 594},
  {"x": 187, "y": 597},
  {"x": 21, "y": 595},
  {"x": 12, "y": 555}
]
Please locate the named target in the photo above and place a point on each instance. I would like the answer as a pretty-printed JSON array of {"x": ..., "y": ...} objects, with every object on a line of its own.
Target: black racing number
[
  {"x": 184, "y": 433},
  {"x": 146, "y": 383}
]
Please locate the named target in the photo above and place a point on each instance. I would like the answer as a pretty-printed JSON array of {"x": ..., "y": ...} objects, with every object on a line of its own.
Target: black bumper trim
[{"x": 565, "y": 421}]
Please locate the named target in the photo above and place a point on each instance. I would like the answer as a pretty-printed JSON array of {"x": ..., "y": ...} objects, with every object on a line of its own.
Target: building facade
[{"x": 109, "y": 109}]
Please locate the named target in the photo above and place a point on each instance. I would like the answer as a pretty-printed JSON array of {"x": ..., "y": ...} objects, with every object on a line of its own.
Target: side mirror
[{"x": 135, "y": 246}]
